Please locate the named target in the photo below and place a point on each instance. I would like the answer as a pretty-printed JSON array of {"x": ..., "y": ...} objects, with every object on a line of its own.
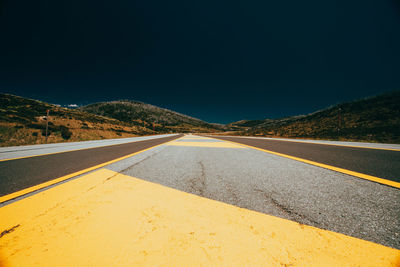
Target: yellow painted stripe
[
  {"x": 110, "y": 219},
  {"x": 329, "y": 167},
  {"x": 326, "y": 144},
  {"x": 195, "y": 137},
  {"x": 53, "y": 153},
  {"x": 191, "y": 138},
  {"x": 205, "y": 144},
  {"x": 66, "y": 177}
]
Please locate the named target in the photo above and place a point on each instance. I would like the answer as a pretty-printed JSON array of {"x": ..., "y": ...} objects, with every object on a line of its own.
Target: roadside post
[{"x": 47, "y": 124}]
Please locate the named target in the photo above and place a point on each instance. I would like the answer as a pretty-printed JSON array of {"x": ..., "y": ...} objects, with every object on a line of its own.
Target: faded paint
[
  {"x": 205, "y": 144},
  {"x": 108, "y": 219}
]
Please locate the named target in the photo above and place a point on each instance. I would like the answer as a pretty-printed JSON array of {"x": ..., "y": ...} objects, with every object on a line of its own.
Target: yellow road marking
[
  {"x": 326, "y": 144},
  {"x": 52, "y": 153},
  {"x": 329, "y": 167},
  {"x": 66, "y": 177},
  {"x": 205, "y": 144},
  {"x": 110, "y": 219},
  {"x": 193, "y": 138}
]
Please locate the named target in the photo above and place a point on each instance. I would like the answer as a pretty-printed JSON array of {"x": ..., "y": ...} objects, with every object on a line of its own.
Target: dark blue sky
[{"x": 220, "y": 61}]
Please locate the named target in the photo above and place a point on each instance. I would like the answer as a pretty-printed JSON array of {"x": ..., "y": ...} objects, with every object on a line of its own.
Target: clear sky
[{"x": 220, "y": 61}]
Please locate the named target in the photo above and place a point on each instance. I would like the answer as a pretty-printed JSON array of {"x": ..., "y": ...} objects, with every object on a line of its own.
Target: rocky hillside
[
  {"x": 370, "y": 119},
  {"x": 23, "y": 121},
  {"x": 146, "y": 115}
]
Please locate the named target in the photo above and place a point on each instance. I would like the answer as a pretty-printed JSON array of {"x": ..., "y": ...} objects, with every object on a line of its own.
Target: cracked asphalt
[{"x": 273, "y": 185}]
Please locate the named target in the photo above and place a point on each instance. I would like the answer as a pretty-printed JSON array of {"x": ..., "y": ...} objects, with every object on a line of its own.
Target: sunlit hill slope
[
  {"x": 371, "y": 119},
  {"x": 23, "y": 121}
]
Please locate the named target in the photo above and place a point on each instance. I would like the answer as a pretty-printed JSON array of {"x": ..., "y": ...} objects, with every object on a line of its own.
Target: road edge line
[
  {"x": 78, "y": 149},
  {"x": 69, "y": 176},
  {"x": 325, "y": 144},
  {"x": 325, "y": 166}
]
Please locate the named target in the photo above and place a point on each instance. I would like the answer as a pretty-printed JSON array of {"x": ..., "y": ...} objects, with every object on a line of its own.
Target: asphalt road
[
  {"x": 376, "y": 162},
  {"x": 14, "y": 152},
  {"x": 22, "y": 173},
  {"x": 273, "y": 185},
  {"x": 248, "y": 178}
]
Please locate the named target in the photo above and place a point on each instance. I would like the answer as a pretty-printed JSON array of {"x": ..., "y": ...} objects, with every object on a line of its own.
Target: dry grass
[
  {"x": 23, "y": 122},
  {"x": 375, "y": 119},
  {"x": 13, "y": 134}
]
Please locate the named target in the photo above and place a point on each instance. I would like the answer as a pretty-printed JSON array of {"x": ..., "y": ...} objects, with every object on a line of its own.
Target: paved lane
[
  {"x": 129, "y": 212},
  {"x": 383, "y": 146},
  {"x": 380, "y": 163},
  {"x": 274, "y": 185},
  {"x": 7, "y": 153},
  {"x": 22, "y": 173}
]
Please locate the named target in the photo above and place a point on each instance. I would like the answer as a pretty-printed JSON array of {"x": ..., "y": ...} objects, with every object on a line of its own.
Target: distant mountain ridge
[
  {"x": 23, "y": 121},
  {"x": 135, "y": 111},
  {"x": 370, "y": 119}
]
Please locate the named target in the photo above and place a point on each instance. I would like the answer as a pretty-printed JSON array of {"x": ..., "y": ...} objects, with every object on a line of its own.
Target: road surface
[
  {"x": 245, "y": 206},
  {"x": 382, "y": 161},
  {"x": 56, "y": 160}
]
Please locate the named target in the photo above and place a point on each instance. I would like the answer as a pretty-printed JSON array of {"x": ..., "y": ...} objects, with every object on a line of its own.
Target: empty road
[
  {"x": 204, "y": 200},
  {"x": 379, "y": 160},
  {"x": 26, "y": 166}
]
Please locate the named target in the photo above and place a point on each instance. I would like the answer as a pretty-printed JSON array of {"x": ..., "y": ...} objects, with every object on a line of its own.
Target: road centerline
[
  {"x": 372, "y": 178},
  {"x": 275, "y": 185},
  {"x": 143, "y": 146}
]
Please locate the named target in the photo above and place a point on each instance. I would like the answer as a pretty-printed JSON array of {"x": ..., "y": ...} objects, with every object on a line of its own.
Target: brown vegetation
[
  {"x": 147, "y": 115},
  {"x": 375, "y": 119},
  {"x": 23, "y": 121}
]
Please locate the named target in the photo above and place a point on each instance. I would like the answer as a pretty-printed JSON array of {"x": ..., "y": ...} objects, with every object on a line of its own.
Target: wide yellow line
[
  {"x": 111, "y": 219},
  {"x": 205, "y": 144},
  {"x": 63, "y": 178},
  {"x": 329, "y": 167},
  {"x": 58, "y": 152},
  {"x": 325, "y": 144}
]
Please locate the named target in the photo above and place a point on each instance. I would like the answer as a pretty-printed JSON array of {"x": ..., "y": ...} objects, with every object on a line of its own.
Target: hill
[
  {"x": 147, "y": 115},
  {"x": 374, "y": 119},
  {"x": 23, "y": 121}
]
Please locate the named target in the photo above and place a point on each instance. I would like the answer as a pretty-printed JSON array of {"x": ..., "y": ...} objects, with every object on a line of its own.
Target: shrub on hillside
[{"x": 65, "y": 132}]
